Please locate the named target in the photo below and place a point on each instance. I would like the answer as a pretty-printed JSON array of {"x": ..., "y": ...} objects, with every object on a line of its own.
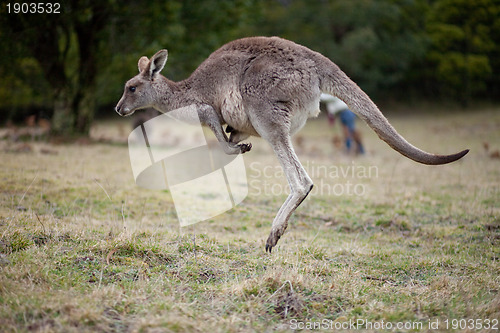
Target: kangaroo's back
[{"x": 235, "y": 57}]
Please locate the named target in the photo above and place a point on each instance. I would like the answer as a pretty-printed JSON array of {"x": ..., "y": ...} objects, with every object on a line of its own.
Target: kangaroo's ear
[
  {"x": 157, "y": 63},
  {"x": 143, "y": 63}
]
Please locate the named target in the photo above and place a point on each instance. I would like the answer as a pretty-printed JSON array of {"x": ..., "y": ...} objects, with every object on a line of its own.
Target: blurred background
[{"x": 68, "y": 69}]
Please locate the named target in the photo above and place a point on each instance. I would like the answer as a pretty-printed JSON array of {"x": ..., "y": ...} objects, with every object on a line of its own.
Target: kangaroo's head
[{"x": 141, "y": 91}]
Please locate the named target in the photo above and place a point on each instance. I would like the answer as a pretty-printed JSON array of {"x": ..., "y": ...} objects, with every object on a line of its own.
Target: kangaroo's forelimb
[{"x": 209, "y": 117}]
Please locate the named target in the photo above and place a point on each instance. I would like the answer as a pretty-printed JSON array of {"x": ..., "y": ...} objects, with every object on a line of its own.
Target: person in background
[{"x": 335, "y": 106}]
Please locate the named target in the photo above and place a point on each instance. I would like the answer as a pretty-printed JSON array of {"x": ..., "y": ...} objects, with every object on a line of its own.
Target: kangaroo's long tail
[{"x": 337, "y": 83}]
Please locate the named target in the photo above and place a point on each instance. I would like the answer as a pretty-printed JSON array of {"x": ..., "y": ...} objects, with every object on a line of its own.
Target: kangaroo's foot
[
  {"x": 273, "y": 239},
  {"x": 234, "y": 149},
  {"x": 280, "y": 222},
  {"x": 244, "y": 147}
]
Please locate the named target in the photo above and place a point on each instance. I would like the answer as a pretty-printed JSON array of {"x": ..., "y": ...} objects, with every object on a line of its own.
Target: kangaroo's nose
[{"x": 117, "y": 109}]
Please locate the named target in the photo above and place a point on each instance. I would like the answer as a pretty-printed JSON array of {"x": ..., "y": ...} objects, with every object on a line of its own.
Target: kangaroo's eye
[{"x": 132, "y": 89}]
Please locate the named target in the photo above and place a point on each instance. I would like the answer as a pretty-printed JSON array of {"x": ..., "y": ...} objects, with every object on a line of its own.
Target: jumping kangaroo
[{"x": 267, "y": 87}]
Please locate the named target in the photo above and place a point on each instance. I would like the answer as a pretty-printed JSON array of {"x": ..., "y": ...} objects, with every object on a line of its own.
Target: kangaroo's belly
[
  {"x": 304, "y": 110},
  {"x": 233, "y": 113}
]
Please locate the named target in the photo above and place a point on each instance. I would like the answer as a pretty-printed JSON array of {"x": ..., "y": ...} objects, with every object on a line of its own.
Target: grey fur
[{"x": 268, "y": 87}]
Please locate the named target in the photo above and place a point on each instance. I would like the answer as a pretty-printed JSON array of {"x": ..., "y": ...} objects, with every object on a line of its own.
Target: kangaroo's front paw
[
  {"x": 244, "y": 147},
  {"x": 272, "y": 240}
]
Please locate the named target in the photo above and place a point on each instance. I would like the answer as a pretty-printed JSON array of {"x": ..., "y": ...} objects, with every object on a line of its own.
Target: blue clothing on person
[{"x": 347, "y": 117}]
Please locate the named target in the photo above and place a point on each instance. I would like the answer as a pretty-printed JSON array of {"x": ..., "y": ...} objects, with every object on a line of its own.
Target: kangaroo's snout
[
  {"x": 119, "y": 110},
  {"x": 124, "y": 112}
]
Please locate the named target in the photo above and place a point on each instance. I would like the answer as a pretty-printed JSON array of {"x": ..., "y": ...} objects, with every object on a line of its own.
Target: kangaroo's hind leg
[
  {"x": 277, "y": 133},
  {"x": 300, "y": 185}
]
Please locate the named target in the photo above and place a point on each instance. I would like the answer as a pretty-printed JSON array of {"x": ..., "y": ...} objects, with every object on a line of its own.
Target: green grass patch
[{"x": 82, "y": 249}]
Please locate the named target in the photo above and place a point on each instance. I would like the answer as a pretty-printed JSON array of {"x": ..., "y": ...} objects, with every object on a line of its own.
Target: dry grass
[{"x": 83, "y": 249}]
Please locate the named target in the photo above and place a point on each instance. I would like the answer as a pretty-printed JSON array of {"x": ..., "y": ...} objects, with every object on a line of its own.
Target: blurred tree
[
  {"x": 77, "y": 61},
  {"x": 84, "y": 55},
  {"x": 465, "y": 46},
  {"x": 65, "y": 46},
  {"x": 430, "y": 48},
  {"x": 379, "y": 41},
  {"x": 191, "y": 30},
  {"x": 375, "y": 42}
]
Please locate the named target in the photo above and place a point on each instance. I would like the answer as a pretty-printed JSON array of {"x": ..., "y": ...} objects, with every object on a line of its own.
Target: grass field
[{"x": 394, "y": 243}]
